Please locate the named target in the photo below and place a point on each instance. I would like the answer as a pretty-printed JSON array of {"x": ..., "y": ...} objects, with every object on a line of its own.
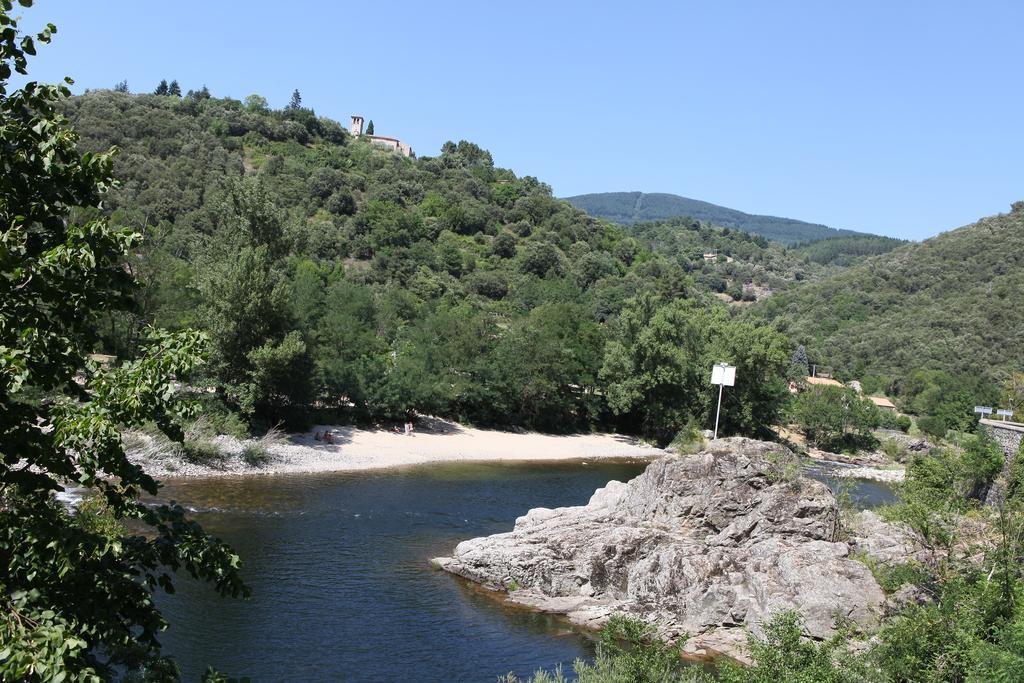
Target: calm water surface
[
  {"x": 341, "y": 580},
  {"x": 342, "y": 585}
]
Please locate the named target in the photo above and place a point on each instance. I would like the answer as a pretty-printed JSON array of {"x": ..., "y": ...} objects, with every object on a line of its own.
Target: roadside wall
[{"x": 1009, "y": 436}]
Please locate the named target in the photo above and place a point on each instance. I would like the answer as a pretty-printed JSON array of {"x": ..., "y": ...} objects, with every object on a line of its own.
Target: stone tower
[{"x": 357, "y": 126}]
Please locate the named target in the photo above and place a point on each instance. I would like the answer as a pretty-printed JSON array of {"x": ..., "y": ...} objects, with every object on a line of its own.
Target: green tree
[
  {"x": 174, "y": 90},
  {"x": 1012, "y": 397},
  {"x": 76, "y": 587},
  {"x": 835, "y": 417},
  {"x": 257, "y": 104},
  {"x": 161, "y": 89},
  {"x": 369, "y": 127},
  {"x": 651, "y": 366},
  {"x": 296, "y": 101},
  {"x": 657, "y": 366},
  {"x": 351, "y": 356},
  {"x": 799, "y": 366},
  {"x": 121, "y": 86},
  {"x": 245, "y": 308},
  {"x": 759, "y": 354}
]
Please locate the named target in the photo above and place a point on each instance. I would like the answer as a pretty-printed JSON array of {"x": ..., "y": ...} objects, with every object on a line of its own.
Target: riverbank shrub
[{"x": 835, "y": 418}]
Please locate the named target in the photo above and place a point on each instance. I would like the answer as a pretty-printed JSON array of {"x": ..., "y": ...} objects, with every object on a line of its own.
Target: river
[{"x": 342, "y": 585}]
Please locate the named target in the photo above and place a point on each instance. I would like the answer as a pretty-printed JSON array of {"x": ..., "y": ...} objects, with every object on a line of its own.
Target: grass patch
[
  {"x": 201, "y": 452},
  {"x": 258, "y": 453},
  {"x": 255, "y": 454},
  {"x": 783, "y": 467},
  {"x": 892, "y": 577}
]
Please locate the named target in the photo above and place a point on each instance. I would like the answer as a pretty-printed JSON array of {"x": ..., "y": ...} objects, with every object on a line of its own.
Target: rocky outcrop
[
  {"x": 700, "y": 545},
  {"x": 882, "y": 541}
]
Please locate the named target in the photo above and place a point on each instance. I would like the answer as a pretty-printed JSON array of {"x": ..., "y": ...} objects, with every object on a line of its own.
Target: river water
[
  {"x": 341, "y": 580},
  {"x": 342, "y": 585}
]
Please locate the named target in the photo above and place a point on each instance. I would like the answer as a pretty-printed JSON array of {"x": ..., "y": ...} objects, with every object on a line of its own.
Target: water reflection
[
  {"x": 863, "y": 493},
  {"x": 342, "y": 585}
]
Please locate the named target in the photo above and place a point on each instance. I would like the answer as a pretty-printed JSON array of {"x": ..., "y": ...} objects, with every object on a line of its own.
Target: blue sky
[{"x": 902, "y": 118}]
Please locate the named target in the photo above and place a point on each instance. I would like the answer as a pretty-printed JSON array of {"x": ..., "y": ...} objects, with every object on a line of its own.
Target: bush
[
  {"x": 835, "y": 417},
  {"x": 690, "y": 438},
  {"x": 894, "y": 450},
  {"x": 201, "y": 452},
  {"x": 784, "y": 654},
  {"x": 784, "y": 467},
  {"x": 982, "y": 459},
  {"x": 903, "y": 423},
  {"x": 933, "y": 426},
  {"x": 628, "y": 652}
]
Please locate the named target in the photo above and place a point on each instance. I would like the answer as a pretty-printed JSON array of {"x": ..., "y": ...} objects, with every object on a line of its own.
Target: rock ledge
[{"x": 701, "y": 545}]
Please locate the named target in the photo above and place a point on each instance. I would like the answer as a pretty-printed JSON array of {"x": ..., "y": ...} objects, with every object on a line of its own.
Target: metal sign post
[
  {"x": 983, "y": 410},
  {"x": 724, "y": 375},
  {"x": 1004, "y": 414}
]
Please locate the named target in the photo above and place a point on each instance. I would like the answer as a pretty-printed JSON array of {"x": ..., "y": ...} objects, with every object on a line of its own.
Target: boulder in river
[{"x": 699, "y": 545}]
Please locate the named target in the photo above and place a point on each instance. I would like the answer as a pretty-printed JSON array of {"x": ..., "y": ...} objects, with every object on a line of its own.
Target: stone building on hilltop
[{"x": 391, "y": 144}]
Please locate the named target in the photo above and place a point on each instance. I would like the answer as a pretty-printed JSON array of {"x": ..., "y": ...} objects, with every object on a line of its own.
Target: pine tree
[
  {"x": 122, "y": 86},
  {"x": 296, "y": 101},
  {"x": 174, "y": 89},
  {"x": 369, "y": 127},
  {"x": 799, "y": 366},
  {"x": 162, "y": 88}
]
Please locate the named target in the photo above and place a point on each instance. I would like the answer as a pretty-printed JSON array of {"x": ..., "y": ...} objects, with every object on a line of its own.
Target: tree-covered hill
[
  {"x": 951, "y": 303},
  {"x": 332, "y": 275},
  {"x": 749, "y": 267},
  {"x": 636, "y": 207}
]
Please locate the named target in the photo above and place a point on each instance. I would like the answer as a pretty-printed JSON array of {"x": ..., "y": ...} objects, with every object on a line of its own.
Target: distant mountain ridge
[
  {"x": 628, "y": 208},
  {"x": 951, "y": 302}
]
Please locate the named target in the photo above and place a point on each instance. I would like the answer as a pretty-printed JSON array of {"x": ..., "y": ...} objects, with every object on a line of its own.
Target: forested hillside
[
  {"x": 951, "y": 304},
  {"x": 331, "y": 275},
  {"x": 636, "y": 207},
  {"x": 747, "y": 267}
]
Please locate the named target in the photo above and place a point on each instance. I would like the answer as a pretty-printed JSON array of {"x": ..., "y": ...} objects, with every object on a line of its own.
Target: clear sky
[{"x": 903, "y": 118}]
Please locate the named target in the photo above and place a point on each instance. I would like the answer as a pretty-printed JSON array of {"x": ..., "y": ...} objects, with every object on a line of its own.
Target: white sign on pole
[
  {"x": 983, "y": 410},
  {"x": 1004, "y": 413},
  {"x": 723, "y": 374}
]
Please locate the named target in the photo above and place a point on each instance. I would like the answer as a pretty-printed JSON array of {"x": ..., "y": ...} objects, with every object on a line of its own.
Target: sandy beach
[{"x": 353, "y": 449}]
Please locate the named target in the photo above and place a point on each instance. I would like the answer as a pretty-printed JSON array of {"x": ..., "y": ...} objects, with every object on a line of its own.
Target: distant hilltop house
[
  {"x": 883, "y": 403},
  {"x": 713, "y": 256},
  {"x": 392, "y": 144}
]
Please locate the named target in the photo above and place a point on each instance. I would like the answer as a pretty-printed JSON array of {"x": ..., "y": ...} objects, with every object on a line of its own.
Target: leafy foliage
[
  {"x": 76, "y": 588},
  {"x": 835, "y": 417},
  {"x": 969, "y": 628},
  {"x": 784, "y": 654}
]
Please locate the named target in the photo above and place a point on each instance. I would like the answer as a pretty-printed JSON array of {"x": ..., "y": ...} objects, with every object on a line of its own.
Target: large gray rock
[
  {"x": 884, "y": 542},
  {"x": 698, "y": 545}
]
